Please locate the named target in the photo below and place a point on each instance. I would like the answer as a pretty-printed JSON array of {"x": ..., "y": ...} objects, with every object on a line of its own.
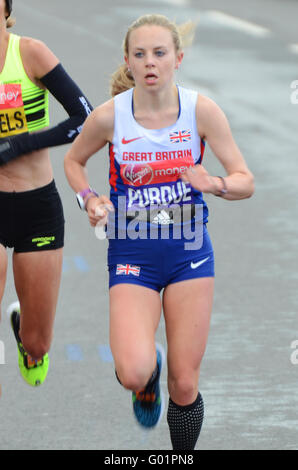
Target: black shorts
[{"x": 32, "y": 220}]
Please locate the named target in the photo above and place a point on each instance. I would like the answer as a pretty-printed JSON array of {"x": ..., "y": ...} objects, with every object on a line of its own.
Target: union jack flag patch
[
  {"x": 180, "y": 136},
  {"x": 128, "y": 269}
]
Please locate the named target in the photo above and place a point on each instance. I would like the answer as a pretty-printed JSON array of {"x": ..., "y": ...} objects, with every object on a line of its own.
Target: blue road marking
[
  {"x": 81, "y": 264},
  {"x": 105, "y": 353},
  {"x": 65, "y": 266},
  {"x": 74, "y": 352},
  {"x": 77, "y": 263}
]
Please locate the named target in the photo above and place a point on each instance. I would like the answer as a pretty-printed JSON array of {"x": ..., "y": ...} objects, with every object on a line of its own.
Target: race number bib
[{"x": 12, "y": 114}]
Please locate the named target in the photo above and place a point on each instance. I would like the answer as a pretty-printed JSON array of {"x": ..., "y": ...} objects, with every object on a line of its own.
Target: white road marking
[
  {"x": 181, "y": 3},
  {"x": 293, "y": 48},
  {"x": 237, "y": 23}
]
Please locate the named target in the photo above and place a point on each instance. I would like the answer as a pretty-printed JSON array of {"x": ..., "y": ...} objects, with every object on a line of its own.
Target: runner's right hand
[{"x": 98, "y": 209}]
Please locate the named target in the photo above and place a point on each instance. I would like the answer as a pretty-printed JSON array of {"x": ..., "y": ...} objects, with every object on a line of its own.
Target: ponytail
[
  {"x": 10, "y": 22},
  {"x": 121, "y": 80}
]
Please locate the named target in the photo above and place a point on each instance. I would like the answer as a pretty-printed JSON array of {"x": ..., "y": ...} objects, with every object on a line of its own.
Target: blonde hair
[
  {"x": 182, "y": 35},
  {"x": 10, "y": 22}
]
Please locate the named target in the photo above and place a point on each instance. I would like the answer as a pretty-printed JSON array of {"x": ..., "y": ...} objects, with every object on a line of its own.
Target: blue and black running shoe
[{"x": 148, "y": 404}]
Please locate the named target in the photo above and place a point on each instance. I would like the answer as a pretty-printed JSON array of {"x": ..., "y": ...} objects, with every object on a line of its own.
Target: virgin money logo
[
  {"x": 10, "y": 96},
  {"x": 137, "y": 174}
]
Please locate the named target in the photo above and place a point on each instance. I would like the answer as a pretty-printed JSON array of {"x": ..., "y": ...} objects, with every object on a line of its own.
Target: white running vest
[{"x": 146, "y": 164}]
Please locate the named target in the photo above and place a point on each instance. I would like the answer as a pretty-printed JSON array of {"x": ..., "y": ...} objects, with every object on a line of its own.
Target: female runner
[
  {"x": 157, "y": 131},
  {"x": 32, "y": 221}
]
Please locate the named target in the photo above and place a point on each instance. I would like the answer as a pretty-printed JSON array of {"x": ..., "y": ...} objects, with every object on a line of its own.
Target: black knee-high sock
[{"x": 185, "y": 423}]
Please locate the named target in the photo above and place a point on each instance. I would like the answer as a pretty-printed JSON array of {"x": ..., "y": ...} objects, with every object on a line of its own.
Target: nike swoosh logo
[
  {"x": 196, "y": 265},
  {"x": 124, "y": 141}
]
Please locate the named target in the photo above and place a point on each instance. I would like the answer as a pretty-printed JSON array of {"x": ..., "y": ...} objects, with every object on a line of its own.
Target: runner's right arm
[{"x": 96, "y": 133}]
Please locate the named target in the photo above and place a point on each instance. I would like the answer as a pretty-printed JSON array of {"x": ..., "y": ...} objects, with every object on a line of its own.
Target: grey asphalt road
[{"x": 243, "y": 57}]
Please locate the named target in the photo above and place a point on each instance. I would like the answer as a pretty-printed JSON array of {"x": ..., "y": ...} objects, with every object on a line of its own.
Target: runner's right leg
[
  {"x": 37, "y": 279},
  {"x": 134, "y": 317}
]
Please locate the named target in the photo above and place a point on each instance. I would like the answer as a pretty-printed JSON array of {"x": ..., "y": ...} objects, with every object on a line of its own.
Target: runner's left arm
[{"x": 75, "y": 103}]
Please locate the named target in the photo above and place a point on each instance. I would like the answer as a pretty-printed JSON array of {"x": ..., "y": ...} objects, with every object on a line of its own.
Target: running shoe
[
  {"x": 148, "y": 403},
  {"x": 33, "y": 372}
]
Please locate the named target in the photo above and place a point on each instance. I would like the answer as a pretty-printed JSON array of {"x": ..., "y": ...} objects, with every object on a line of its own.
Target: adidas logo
[{"x": 162, "y": 218}]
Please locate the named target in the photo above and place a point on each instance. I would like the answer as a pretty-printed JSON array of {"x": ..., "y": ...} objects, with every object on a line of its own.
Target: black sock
[{"x": 185, "y": 423}]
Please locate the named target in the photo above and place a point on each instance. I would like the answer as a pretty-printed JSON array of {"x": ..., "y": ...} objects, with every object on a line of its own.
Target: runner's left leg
[{"x": 187, "y": 310}]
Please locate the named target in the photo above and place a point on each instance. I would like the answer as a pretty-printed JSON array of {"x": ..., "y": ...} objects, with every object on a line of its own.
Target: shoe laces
[
  {"x": 146, "y": 396},
  {"x": 30, "y": 363}
]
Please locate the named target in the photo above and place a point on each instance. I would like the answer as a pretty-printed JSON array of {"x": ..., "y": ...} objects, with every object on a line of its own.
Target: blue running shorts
[{"x": 156, "y": 263}]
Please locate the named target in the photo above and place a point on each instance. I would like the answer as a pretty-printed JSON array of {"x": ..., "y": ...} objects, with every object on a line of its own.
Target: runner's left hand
[{"x": 199, "y": 178}]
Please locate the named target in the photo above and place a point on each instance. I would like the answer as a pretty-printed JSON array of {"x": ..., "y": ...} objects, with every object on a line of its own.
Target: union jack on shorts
[
  {"x": 128, "y": 269},
  {"x": 180, "y": 136}
]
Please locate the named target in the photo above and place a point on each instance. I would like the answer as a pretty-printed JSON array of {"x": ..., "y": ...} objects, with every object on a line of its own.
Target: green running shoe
[{"x": 33, "y": 372}]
